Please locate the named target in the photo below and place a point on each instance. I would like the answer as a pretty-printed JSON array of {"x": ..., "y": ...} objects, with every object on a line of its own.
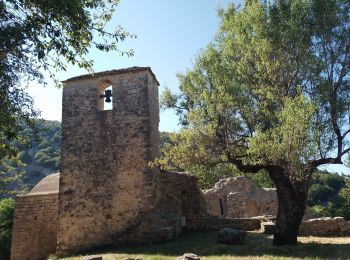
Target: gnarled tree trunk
[{"x": 292, "y": 196}]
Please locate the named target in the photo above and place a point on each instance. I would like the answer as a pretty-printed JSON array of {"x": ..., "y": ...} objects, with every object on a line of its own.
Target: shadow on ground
[{"x": 256, "y": 245}]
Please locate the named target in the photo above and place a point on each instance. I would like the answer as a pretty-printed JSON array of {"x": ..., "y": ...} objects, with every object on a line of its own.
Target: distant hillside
[{"x": 40, "y": 155}]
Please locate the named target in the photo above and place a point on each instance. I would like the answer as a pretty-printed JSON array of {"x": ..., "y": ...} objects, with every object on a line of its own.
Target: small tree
[{"x": 270, "y": 93}]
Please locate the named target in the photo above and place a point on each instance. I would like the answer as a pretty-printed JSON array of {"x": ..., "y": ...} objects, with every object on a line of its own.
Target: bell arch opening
[{"x": 105, "y": 95}]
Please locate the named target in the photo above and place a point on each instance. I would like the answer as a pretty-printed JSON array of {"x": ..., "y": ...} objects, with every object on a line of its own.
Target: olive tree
[{"x": 270, "y": 93}]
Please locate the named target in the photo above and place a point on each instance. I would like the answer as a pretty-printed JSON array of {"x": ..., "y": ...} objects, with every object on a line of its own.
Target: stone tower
[{"x": 105, "y": 181}]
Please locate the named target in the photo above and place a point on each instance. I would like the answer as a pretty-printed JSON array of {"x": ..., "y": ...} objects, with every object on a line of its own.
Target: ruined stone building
[
  {"x": 239, "y": 197},
  {"x": 106, "y": 194}
]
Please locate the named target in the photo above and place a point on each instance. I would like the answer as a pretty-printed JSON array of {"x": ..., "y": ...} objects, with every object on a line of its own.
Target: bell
[{"x": 108, "y": 94}]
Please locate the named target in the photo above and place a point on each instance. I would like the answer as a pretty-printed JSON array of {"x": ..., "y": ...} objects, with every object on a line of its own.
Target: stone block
[
  {"x": 188, "y": 256},
  {"x": 92, "y": 257}
]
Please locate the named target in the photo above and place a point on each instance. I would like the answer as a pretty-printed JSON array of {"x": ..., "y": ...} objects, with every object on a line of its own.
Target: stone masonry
[
  {"x": 239, "y": 197},
  {"x": 35, "y": 221},
  {"x": 326, "y": 226},
  {"x": 105, "y": 182}
]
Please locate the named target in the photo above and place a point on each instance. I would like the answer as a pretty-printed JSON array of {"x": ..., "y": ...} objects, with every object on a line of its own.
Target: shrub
[{"x": 6, "y": 221}]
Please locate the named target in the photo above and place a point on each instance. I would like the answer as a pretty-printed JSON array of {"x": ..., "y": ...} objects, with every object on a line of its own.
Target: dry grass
[{"x": 257, "y": 246}]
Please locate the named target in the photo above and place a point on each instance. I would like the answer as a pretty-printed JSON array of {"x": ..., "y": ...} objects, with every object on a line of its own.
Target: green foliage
[
  {"x": 261, "y": 179},
  {"x": 344, "y": 201},
  {"x": 270, "y": 92},
  {"x": 43, "y": 37},
  {"x": 258, "y": 96},
  {"x": 6, "y": 221},
  {"x": 38, "y": 158},
  {"x": 338, "y": 205},
  {"x": 325, "y": 187}
]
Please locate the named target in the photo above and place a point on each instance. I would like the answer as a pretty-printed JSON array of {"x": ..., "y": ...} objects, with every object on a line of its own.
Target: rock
[
  {"x": 92, "y": 257},
  {"x": 188, "y": 256},
  {"x": 231, "y": 236}
]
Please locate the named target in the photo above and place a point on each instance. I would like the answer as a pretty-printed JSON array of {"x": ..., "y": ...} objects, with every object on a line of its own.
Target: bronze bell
[{"x": 108, "y": 94}]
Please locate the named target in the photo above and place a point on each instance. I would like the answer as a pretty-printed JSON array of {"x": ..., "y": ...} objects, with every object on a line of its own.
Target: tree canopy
[
  {"x": 44, "y": 36},
  {"x": 270, "y": 92}
]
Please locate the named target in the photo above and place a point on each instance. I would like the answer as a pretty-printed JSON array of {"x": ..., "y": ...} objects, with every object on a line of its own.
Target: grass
[{"x": 257, "y": 246}]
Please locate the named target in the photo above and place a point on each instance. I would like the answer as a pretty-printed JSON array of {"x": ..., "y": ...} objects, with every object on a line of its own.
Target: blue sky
[{"x": 169, "y": 36}]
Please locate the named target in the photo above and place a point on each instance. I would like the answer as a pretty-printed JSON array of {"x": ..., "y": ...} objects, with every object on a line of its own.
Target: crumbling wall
[
  {"x": 35, "y": 226},
  {"x": 238, "y": 197},
  {"x": 325, "y": 227}
]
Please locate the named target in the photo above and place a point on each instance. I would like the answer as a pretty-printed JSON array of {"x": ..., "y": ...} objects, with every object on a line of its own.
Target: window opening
[
  {"x": 105, "y": 97},
  {"x": 221, "y": 207}
]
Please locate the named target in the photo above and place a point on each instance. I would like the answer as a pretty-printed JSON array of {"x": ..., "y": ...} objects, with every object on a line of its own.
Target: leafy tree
[
  {"x": 44, "y": 36},
  {"x": 325, "y": 187},
  {"x": 7, "y": 207},
  {"x": 270, "y": 93},
  {"x": 344, "y": 202},
  {"x": 339, "y": 205}
]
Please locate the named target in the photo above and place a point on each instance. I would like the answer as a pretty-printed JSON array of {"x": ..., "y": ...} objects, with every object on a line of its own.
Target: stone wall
[
  {"x": 35, "y": 226},
  {"x": 106, "y": 184},
  {"x": 325, "y": 227},
  {"x": 239, "y": 197},
  {"x": 178, "y": 204}
]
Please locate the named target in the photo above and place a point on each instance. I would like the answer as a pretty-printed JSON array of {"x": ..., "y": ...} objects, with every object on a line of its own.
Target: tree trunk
[{"x": 291, "y": 207}]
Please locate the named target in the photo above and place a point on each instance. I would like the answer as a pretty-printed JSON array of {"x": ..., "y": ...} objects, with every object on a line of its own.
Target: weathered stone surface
[
  {"x": 214, "y": 223},
  {"x": 316, "y": 227},
  {"x": 231, "y": 236},
  {"x": 188, "y": 256},
  {"x": 35, "y": 223},
  {"x": 238, "y": 197},
  {"x": 92, "y": 257},
  {"x": 325, "y": 227},
  {"x": 178, "y": 205},
  {"x": 106, "y": 183}
]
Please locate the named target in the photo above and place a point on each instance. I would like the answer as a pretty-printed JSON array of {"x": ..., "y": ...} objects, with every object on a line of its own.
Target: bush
[{"x": 7, "y": 207}]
